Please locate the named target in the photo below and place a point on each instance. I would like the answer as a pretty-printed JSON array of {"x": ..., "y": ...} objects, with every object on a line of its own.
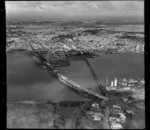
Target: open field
[{"x": 43, "y": 115}]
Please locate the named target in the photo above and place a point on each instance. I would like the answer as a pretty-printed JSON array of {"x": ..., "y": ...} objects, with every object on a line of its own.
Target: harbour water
[{"x": 25, "y": 81}]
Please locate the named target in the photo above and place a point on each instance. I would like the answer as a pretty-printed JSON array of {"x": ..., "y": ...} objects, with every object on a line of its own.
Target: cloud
[
  {"x": 106, "y": 6},
  {"x": 75, "y": 8},
  {"x": 42, "y": 7}
]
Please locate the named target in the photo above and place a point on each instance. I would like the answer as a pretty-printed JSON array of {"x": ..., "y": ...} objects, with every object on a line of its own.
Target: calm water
[
  {"x": 130, "y": 28},
  {"x": 25, "y": 81}
]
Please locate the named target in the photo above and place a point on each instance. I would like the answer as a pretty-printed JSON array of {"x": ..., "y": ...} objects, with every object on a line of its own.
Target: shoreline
[{"x": 24, "y": 51}]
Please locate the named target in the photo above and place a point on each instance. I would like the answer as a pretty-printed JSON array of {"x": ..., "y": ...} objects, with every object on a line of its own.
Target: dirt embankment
[
  {"x": 52, "y": 116},
  {"x": 40, "y": 115}
]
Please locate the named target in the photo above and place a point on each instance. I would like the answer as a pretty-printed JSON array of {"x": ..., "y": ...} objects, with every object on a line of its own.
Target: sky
[{"x": 72, "y": 9}]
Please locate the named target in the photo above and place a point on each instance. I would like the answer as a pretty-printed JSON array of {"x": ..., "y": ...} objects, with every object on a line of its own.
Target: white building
[
  {"x": 142, "y": 81},
  {"x": 124, "y": 80},
  {"x": 115, "y": 82},
  {"x": 112, "y": 84},
  {"x": 137, "y": 47}
]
